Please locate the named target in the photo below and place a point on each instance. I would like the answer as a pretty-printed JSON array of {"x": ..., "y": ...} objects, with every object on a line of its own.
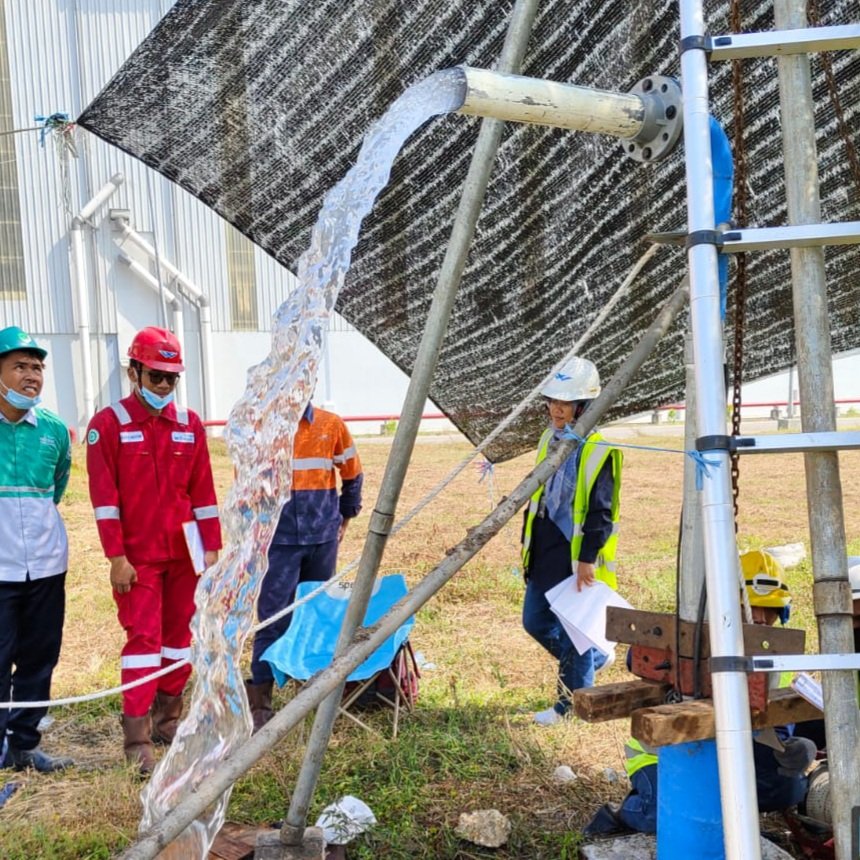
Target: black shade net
[{"x": 258, "y": 107}]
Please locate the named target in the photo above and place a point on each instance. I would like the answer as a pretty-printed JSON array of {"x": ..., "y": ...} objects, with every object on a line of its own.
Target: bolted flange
[{"x": 661, "y": 98}]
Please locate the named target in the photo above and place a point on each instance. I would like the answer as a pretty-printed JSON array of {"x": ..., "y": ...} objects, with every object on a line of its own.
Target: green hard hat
[{"x": 13, "y": 338}]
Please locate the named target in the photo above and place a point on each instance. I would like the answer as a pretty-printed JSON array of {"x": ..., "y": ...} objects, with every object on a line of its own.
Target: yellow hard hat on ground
[{"x": 764, "y": 579}]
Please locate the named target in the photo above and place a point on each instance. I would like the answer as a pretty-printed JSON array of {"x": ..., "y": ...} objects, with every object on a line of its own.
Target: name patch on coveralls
[
  {"x": 131, "y": 436},
  {"x": 177, "y": 436}
]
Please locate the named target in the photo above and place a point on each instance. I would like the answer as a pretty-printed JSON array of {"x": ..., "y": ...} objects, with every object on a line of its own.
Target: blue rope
[
  {"x": 704, "y": 466},
  {"x": 50, "y": 123}
]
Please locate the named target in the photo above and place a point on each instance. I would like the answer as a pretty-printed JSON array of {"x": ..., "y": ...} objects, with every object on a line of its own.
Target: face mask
[
  {"x": 19, "y": 401},
  {"x": 153, "y": 399}
]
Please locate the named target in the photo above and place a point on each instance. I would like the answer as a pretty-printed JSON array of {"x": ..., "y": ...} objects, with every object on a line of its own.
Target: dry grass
[{"x": 471, "y": 743}]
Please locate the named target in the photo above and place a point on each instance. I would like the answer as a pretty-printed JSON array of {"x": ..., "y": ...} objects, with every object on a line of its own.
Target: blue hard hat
[{"x": 14, "y": 338}]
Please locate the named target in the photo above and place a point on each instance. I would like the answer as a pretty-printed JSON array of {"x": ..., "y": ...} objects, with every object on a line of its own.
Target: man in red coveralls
[{"x": 149, "y": 474}]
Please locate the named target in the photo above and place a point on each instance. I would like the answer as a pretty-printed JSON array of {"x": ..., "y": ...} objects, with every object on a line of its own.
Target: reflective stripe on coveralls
[{"x": 593, "y": 458}]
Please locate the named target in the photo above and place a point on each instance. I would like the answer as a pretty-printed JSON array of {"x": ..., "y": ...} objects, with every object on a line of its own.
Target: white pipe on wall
[
  {"x": 175, "y": 303},
  {"x": 80, "y": 290},
  {"x": 203, "y": 310}
]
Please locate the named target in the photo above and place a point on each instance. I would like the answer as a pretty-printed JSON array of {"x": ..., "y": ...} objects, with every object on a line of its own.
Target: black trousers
[{"x": 31, "y": 631}]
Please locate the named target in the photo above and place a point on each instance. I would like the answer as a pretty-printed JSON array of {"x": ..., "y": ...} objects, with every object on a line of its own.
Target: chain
[
  {"x": 814, "y": 16},
  {"x": 741, "y": 270}
]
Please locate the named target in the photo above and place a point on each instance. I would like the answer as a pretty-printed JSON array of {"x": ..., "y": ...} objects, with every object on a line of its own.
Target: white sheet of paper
[
  {"x": 195, "y": 546},
  {"x": 583, "y": 613}
]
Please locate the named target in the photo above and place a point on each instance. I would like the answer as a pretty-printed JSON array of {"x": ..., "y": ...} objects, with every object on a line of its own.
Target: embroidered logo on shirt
[
  {"x": 50, "y": 441},
  {"x": 92, "y": 437},
  {"x": 131, "y": 436},
  {"x": 176, "y": 436}
]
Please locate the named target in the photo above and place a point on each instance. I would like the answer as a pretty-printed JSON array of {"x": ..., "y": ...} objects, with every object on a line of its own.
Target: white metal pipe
[
  {"x": 178, "y": 317},
  {"x": 731, "y": 695},
  {"x": 203, "y": 311},
  {"x": 101, "y": 196},
  {"x": 208, "y": 374},
  {"x": 149, "y": 279},
  {"x": 519, "y": 99},
  {"x": 80, "y": 288},
  {"x": 128, "y": 232},
  {"x": 692, "y": 567}
]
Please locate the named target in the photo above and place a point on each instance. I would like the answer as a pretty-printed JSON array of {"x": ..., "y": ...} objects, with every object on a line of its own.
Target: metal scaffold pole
[
  {"x": 832, "y": 593},
  {"x": 382, "y": 518},
  {"x": 730, "y": 692}
]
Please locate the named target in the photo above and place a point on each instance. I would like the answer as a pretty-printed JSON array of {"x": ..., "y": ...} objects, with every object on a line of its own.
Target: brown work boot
[
  {"x": 137, "y": 742},
  {"x": 166, "y": 711},
  {"x": 260, "y": 700}
]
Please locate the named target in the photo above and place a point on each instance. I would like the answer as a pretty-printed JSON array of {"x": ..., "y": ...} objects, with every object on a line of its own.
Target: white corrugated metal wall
[{"x": 60, "y": 55}]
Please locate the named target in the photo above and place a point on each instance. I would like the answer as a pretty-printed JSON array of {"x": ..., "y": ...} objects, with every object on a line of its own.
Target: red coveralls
[{"x": 148, "y": 474}]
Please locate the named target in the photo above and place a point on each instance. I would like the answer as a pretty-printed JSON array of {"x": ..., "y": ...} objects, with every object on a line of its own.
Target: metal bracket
[
  {"x": 661, "y": 98},
  {"x": 784, "y": 443},
  {"x": 737, "y": 46},
  {"x": 802, "y": 662},
  {"x": 794, "y": 236}
]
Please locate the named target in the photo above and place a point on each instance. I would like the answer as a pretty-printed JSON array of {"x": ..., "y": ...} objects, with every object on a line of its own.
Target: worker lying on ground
[{"x": 780, "y": 773}]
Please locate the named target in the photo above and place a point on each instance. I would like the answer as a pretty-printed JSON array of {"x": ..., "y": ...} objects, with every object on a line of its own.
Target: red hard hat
[{"x": 157, "y": 348}]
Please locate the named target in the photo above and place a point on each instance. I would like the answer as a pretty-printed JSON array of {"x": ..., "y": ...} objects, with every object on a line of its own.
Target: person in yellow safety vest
[
  {"x": 780, "y": 773},
  {"x": 571, "y": 526}
]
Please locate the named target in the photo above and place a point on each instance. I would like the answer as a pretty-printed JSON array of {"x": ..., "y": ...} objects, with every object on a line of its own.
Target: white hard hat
[
  {"x": 854, "y": 575},
  {"x": 576, "y": 379}
]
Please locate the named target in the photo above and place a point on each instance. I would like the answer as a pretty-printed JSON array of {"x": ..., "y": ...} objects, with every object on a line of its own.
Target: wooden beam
[
  {"x": 662, "y": 725},
  {"x": 657, "y": 630},
  {"x": 617, "y": 701}
]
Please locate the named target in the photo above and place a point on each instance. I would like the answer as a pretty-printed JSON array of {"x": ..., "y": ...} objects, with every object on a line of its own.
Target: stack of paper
[{"x": 583, "y": 613}]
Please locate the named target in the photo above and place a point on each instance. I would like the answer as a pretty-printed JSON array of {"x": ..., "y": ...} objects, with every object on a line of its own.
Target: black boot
[
  {"x": 35, "y": 759},
  {"x": 260, "y": 700}
]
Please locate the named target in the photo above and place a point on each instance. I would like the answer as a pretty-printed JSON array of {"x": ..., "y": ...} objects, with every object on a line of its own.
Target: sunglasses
[{"x": 156, "y": 377}]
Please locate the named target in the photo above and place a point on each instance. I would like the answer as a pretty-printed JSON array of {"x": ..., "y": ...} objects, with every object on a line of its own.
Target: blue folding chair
[{"x": 308, "y": 645}]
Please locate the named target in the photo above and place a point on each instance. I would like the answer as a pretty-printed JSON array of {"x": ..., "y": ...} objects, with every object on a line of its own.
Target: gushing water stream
[{"x": 259, "y": 434}]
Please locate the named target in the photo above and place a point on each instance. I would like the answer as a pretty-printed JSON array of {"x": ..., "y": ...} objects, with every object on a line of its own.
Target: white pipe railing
[
  {"x": 175, "y": 303},
  {"x": 200, "y": 301},
  {"x": 77, "y": 267}
]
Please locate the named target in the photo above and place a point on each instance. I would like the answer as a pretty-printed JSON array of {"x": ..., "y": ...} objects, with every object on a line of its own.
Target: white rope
[{"x": 429, "y": 497}]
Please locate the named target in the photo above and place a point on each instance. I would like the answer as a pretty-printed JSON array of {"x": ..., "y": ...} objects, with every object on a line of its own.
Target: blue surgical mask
[
  {"x": 19, "y": 401},
  {"x": 153, "y": 399}
]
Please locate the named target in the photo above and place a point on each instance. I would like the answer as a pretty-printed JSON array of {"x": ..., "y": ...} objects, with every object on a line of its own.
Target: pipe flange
[{"x": 661, "y": 99}]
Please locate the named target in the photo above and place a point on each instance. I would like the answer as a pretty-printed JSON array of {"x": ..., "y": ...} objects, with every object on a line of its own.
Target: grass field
[{"x": 471, "y": 743}]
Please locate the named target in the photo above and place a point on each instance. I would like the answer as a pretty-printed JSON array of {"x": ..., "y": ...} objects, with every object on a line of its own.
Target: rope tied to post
[{"x": 704, "y": 466}]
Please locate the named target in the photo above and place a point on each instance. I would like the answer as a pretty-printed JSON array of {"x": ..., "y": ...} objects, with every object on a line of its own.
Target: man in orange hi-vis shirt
[{"x": 309, "y": 531}]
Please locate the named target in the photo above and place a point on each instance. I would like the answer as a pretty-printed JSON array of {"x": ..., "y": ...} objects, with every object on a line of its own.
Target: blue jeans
[
  {"x": 575, "y": 670},
  {"x": 289, "y": 564},
  {"x": 639, "y": 809}
]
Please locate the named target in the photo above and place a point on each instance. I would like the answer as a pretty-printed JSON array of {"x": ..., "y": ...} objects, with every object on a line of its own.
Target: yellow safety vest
[
  {"x": 636, "y": 757},
  {"x": 590, "y": 463}
]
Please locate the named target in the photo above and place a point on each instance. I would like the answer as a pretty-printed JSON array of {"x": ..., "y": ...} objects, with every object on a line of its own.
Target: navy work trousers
[
  {"x": 289, "y": 564},
  {"x": 31, "y": 631}
]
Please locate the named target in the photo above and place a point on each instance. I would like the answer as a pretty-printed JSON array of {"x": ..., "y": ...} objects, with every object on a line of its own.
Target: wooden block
[
  {"x": 617, "y": 701},
  {"x": 657, "y": 630},
  {"x": 694, "y": 720}
]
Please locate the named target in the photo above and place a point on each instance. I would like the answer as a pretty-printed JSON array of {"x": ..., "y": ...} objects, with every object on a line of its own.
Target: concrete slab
[
  {"x": 270, "y": 847},
  {"x": 643, "y": 846}
]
